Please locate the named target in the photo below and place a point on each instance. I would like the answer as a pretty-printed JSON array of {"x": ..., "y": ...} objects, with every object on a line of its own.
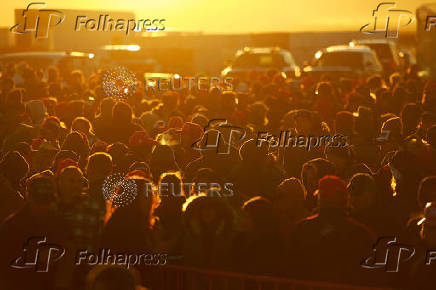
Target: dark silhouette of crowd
[{"x": 242, "y": 205}]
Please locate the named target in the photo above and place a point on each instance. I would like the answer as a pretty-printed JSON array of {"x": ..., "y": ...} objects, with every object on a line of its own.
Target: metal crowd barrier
[{"x": 174, "y": 277}]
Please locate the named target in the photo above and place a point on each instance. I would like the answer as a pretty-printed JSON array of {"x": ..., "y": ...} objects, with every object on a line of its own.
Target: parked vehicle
[
  {"x": 66, "y": 61},
  {"x": 386, "y": 50},
  {"x": 343, "y": 60},
  {"x": 261, "y": 59}
]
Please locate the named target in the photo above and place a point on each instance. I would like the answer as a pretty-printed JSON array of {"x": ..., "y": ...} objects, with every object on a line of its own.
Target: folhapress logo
[
  {"x": 220, "y": 132},
  {"x": 429, "y": 22},
  {"x": 38, "y": 254},
  {"x": 387, "y": 254},
  {"x": 392, "y": 19},
  {"x": 41, "y": 20},
  {"x": 38, "y": 20}
]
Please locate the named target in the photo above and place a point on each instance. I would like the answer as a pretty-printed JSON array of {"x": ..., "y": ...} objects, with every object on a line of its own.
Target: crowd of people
[{"x": 287, "y": 211}]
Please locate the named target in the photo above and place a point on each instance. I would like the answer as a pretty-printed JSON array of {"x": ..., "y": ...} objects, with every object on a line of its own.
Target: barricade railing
[{"x": 174, "y": 277}]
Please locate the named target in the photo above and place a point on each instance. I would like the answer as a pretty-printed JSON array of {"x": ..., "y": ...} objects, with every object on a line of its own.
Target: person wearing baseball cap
[
  {"x": 332, "y": 193},
  {"x": 43, "y": 154},
  {"x": 366, "y": 205},
  {"x": 342, "y": 159},
  {"x": 37, "y": 219},
  {"x": 13, "y": 170},
  {"x": 83, "y": 214},
  {"x": 330, "y": 245},
  {"x": 408, "y": 171},
  {"x": 312, "y": 171},
  {"x": 77, "y": 142},
  {"x": 390, "y": 136},
  {"x": 190, "y": 132},
  {"x": 257, "y": 173},
  {"x": 141, "y": 145},
  {"x": 289, "y": 203},
  {"x": 260, "y": 234}
]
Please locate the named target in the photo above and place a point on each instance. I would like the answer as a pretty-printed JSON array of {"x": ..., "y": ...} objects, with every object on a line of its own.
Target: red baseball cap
[
  {"x": 193, "y": 130},
  {"x": 332, "y": 192},
  {"x": 139, "y": 138}
]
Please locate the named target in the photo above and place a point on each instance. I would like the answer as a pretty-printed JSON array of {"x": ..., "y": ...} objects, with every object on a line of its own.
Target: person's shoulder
[
  {"x": 304, "y": 230},
  {"x": 8, "y": 221},
  {"x": 16, "y": 221},
  {"x": 360, "y": 228},
  {"x": 306, "y": 222},
  {"x": 15, "y": 217},
  {"x": 310, "y": 218}
]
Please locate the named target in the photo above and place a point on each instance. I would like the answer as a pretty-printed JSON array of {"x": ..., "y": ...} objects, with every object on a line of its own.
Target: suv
[
  {"x": 386, "y": 51},
  {"x": 261, "y": 59},
  {"x": 343, "y": 60}
]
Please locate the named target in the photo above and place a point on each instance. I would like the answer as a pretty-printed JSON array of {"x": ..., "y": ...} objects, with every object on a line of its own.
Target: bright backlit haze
[{"x": 234, "y": 16}]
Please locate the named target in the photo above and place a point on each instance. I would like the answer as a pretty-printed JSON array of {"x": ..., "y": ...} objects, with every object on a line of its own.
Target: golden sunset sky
[{"x": 233, "y": 16}]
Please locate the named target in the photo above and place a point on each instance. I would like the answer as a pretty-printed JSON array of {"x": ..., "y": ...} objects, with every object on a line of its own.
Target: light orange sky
[{"x": 233, "y": 16}]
